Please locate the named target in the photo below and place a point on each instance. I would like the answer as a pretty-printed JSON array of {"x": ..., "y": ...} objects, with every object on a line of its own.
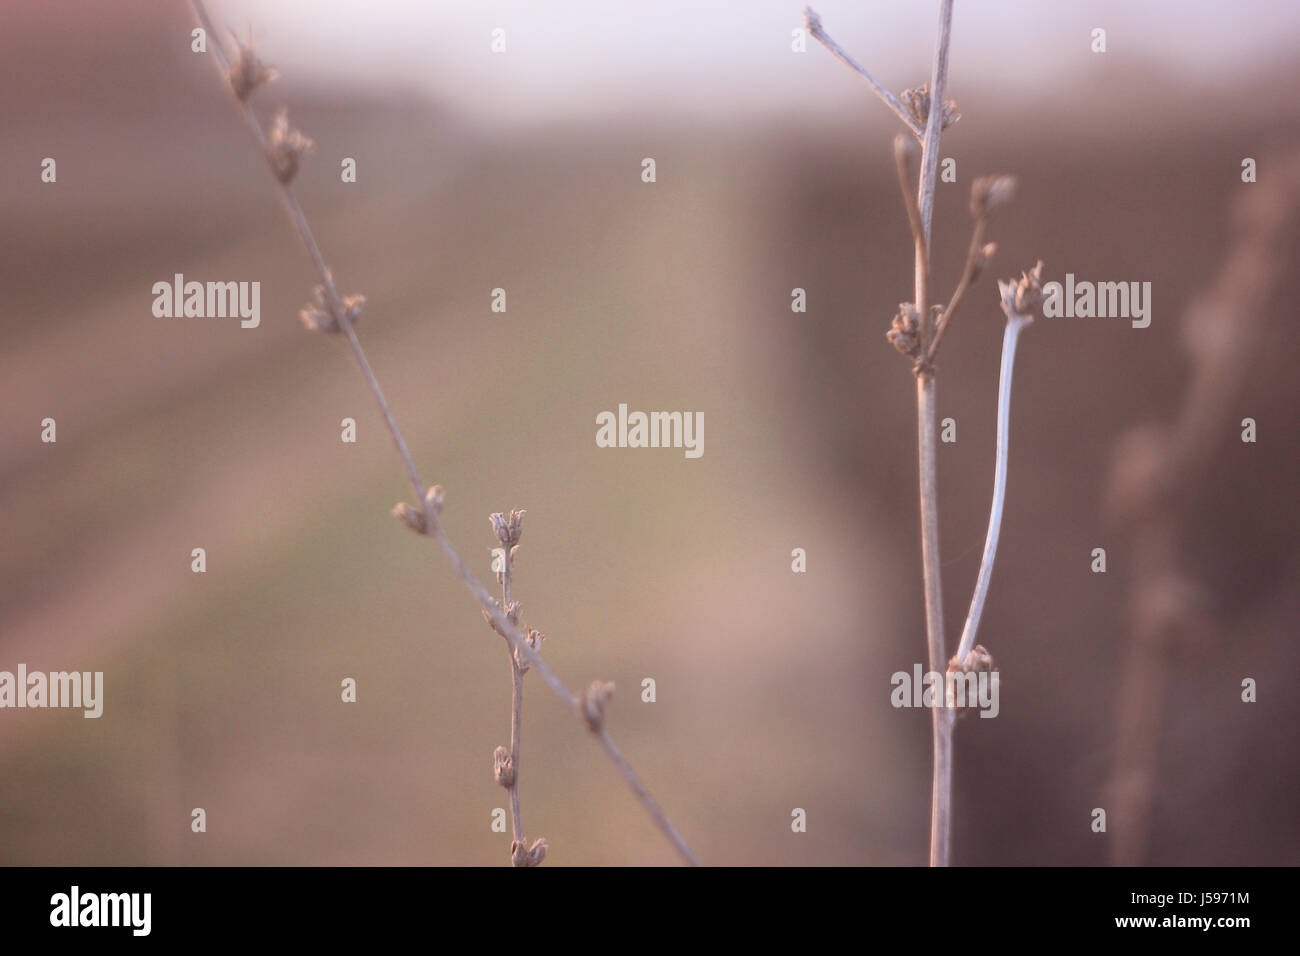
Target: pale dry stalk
[
  {"x": 917, "y": 331},
  {"x": 333, "y": 313}
]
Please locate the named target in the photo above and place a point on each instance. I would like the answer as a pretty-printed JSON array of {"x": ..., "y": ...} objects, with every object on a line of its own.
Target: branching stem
[{"x": 433, "y": 528}]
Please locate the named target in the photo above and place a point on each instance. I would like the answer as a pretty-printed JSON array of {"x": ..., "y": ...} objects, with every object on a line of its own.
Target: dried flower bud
[
  {"x": 286, "y": 147},
  {"x": 433, "y": 499},
  {"x": 905, "y": 329},
  {"x": 508, "y": 527},
  {"x": 352, "y": 305},
  {"x": 534, "y": 639},
  {"x": 316, "y": 320},
  {"x": 319, "y": 317},
  {"x": 512, "y": 612},
  {"x": 532, "y": 856},
  {"x": 977, "y": 661},
  {"x": 412, "y": 517},
  {"x": 503, "y": 768},
  {"x": 593, "y": 701},
  {"x": 917, "y": 101},
  {"x": 1023, "y": 298},
  {"x": 982, "y": 259},
  {"x": 989, "y": 192},
  {"x": 247, "y": 72}
]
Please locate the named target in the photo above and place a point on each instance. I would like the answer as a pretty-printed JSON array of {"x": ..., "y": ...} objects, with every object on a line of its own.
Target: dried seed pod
[
  {"x": 1023, "y": 298},
  {"x": 534, "y": 639},
  {"x": 503, "y": 768},
  {"x": 904, "y": 330},
  {"x": 531, "y": 856},
  {"x": 989, "y": 192},
  {"x": 593, "y": 702},
  {"x": 286, "y": 147},
  {"x": 917, "y": 101},
  {"x": 508, "y": 527},
  {"x": 412, "y": 517},
  {"x": 247, "y": 72}
]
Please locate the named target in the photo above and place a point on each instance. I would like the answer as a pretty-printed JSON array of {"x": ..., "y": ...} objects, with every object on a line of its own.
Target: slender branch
[
  {"x": 813, "y": 24},
  {"x": 651, "y": 806},
  {"x": 935, "y": 122},
  {"x": 904, "y": 151},
  {"x": 516, "y": 703},
  {"x": 508, "y": 528},
  {"x": 975, "y": 257},
  {"x": 1010, "y": 336},
  {"x": 427, "y": 513}
]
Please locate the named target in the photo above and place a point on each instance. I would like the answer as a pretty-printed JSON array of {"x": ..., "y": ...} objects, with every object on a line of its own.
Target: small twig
[
  {"x": 936, "y": 120},
  {"x": 813, "y": 24},
  {"x": 425, "y": 515},
  {"x": 975, "y": 257},
  {"x": 904, "y": 152},
  {"x": 508, "y": 528}
]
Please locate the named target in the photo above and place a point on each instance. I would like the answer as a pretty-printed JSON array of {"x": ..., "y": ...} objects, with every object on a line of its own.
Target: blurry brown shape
[{"x": 1224, "y": 332}]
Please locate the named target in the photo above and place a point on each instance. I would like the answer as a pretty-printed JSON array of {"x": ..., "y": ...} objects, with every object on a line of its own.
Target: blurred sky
[{"x": 584, "y": 57}]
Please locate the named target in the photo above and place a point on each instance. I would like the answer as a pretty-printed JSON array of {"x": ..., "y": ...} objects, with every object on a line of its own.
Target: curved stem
[{"x": 1015, "y": 324}]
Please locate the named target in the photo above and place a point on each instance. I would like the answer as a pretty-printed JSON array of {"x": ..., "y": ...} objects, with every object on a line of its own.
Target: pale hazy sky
[{"x": 585, "y": 57}]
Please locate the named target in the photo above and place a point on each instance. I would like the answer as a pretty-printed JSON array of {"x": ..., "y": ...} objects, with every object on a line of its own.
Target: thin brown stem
[
  {"x": 433, "y": 528},
  {"x": 969, "y": 273},
  {"x": 652, "y": 807},
  {"x": 813, "y": 23}
]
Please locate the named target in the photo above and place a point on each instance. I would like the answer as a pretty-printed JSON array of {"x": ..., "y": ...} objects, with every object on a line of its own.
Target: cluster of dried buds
[
  {"x": 917, "y": 102},
  {"x": 317, "y": 315},
  {"x": 977, "y": 661},
  {"x": 1023, "y": 298}
]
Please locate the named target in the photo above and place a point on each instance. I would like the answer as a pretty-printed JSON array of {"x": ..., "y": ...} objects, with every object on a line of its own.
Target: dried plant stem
[
  {"x": 942, "y": 718},
  {"x": 935, "y": 122},
  {"x": 1010, "y": 336},
  {"x": 917, "y": 331},
  {"x": 813, "y": 24},
  {"x": 427, "y": 513},
  {"x": 969, "y": 274},
  {"x": 920, "y": 210},
  {"x": 516, "y": 708}
]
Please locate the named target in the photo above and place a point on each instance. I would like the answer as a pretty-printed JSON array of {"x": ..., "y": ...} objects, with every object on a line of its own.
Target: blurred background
[{"x": 522, "y": 170}]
